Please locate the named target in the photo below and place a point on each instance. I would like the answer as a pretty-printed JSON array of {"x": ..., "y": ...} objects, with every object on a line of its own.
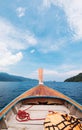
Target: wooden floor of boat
[{"x": 35, "y": 111}]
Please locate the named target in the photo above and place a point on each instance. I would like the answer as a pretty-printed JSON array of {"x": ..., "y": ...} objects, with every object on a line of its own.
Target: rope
[{"x": 22, "y": 116}]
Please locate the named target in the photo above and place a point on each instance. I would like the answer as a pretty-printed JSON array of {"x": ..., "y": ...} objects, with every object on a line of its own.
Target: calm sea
[{"x": 10, "y": 90}]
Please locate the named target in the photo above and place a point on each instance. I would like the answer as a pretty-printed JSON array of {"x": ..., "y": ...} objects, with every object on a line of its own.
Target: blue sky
[{"x": 41, "y": 34}]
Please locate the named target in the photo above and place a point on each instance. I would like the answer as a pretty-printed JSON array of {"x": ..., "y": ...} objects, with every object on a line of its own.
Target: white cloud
[
  {"x": 47, "y": 74},
  {"x": 32, "y": 51},
  {"x": 69, "y": 74},
  {"x": 30, "y": 39},
  {"x": 73, "y": 10},
  {"x": 60, "y": 75},
  {"x": 54, "y": 75},
  {"x": 3, "y": 69},
  {"x": 73, "y": 72},
  {"x": 50, "y": 72},
  {"x": 49, "y": 45},
  {"x": 46, "y": 3},
  {"x": 74, "y": 14},
  {"x": 33, "y": 75},
  {"x": 20, "y": 12},
  {"x": 9, "y": 59},
  {"x": 12, "y": 42},
  {"x": 13, "y": 38},
  {"x": 66, "y": 67}
]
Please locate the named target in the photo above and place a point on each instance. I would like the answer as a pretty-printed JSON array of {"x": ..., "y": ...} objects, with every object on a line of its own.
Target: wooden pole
[{"x": 40, "y": 76}]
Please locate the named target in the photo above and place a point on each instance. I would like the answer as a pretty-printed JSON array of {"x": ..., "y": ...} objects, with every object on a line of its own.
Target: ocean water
[{"x": 10, "y": 90}]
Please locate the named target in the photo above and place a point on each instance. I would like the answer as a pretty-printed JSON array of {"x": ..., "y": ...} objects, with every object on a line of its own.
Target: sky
[{"x": 41, "y": 34}]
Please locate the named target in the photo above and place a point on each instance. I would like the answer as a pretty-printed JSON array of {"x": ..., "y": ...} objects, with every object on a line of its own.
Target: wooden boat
[{"x": 29, "y": 110}]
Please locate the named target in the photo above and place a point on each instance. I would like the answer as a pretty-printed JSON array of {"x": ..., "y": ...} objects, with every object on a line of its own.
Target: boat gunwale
[{"x": 15, "y": 101}]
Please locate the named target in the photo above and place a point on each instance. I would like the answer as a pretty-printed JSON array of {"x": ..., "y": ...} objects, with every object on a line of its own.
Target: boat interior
[{"x": 37, "y": 108}]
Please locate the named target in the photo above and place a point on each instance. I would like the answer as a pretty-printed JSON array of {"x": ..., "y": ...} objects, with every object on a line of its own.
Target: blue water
[{"x": 10, "y": 90}]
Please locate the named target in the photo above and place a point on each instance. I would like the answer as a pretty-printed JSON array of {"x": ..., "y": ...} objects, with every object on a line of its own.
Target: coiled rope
[{"x": 23, "y": 116}]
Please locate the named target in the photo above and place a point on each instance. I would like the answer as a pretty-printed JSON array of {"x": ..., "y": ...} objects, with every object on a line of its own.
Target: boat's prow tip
[{"x": 41, "y": 83}]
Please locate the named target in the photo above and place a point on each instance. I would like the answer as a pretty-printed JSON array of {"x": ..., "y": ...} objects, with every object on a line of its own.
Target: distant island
[
  {"x": 14, "y": 78},
  {"x": 77, "y": 78}
]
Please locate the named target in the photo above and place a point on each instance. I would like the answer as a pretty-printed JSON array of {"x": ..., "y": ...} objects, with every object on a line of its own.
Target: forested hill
[
  {"x": 77, "y": 78},
  {"x": 8, "y": 77}
]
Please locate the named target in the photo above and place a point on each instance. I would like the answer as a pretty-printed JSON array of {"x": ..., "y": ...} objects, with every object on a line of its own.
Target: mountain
[
  {"x": 77, "y": 78},
  {"x": 14, "y": 78}
]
